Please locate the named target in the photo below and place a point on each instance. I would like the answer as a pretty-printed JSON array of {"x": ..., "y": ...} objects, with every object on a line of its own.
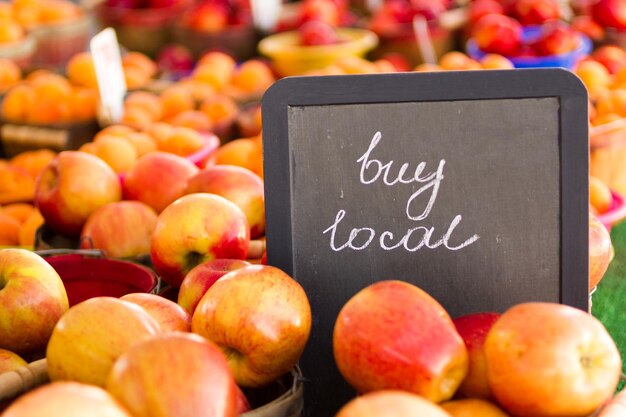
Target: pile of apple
[
  {"x": 143, "y": 355},
  {"x": 397, "y": 346},
  {"x": 497, "y": 27},
  {"x": 395, "y": 17}
]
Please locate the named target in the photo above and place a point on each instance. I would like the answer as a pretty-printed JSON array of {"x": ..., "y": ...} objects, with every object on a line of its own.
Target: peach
[
  {"x": 181, "y": 141},
  {"x": 80, "y": 70},
  {"x": 192, "y": 119},
  {"x": 142, "y": 142},
  {"x": 252, "y": 76},
  {"x": 219, "y": 108},
  {"x": 147, "y": 101},
  {"x": 175, "y": 100},
  {"x": 117, "y": 152}
]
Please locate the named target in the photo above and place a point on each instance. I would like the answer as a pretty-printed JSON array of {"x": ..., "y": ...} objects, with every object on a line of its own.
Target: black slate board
[{"x": 489, "y": 210}]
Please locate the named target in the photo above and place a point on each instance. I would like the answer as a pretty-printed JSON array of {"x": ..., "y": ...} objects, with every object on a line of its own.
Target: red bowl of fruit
[{"x": 291, "y": 57}]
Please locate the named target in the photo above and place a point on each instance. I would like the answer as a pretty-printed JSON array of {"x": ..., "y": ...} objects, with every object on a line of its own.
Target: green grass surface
[{"x": 609, "y": 300}]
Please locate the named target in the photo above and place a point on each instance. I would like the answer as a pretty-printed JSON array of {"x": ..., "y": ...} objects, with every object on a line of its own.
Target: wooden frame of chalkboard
[{"x": 282, "y": 167}]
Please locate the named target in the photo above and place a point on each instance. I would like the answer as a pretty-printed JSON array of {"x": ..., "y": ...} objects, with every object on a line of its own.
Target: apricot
[
  {"x": 51, "y": 86},
  {"x": 593, "y": 74},
  {"x": 384, "y": 66},
  {"x": 84, "y": 104},
  {"x": 215, "y": 69},
  {"x": 141, "y": 62},
  {"x": 175, "y": 100},
  {"x": 159, "y": 131},
  {"x": 600, "y": 195},
  {"x": 49, "y": 111},
  {"x": 455, "y": 61},
  {"x": 147, "y": 101},
  {"x": 117, "y": 152},
  {"x": 219, "y": 108},
  {"x": 9, "y": 230},
  {"x": 244, "y": 152},
  {"x": 193, "y": 119},
  {"x": 181, "y": 141},
  {"x": 33, "y": 162},
  {"x": 19, "y": 211},
  {"x": 10, "y": 73},
  {"x": 425, "y": 67},
  {"x": 605, "y": 118},
  {"x": 135, "y": 78},
  {"x": 355, "y": 65},
  {"x": 137, "y": 117},
  {"x": 28, "y": 229},
  {"x": 495, "y": 61},
  {"x": 142, "y": 142},
  {"x": 88, "y": 147},
  {"x": 116, "y": 130},
  {"x": 252, "y": 76},
  {"x": 10, "y": 31},
  {"x": 199, "y": 90},
  {"x": 80, "y": 70},
  {"x": 17, "y": 103},
  {"x": 472, "y": 407},
  {"x": 58, "y": 11}
]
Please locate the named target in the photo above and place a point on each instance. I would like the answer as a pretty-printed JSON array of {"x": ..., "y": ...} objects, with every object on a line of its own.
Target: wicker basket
[
  {"x": 608, "y": 154},
  {"x": 287, "y": 394}
]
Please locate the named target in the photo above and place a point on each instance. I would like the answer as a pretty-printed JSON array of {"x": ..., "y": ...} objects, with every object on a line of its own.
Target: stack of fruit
[
  {"x": 535, "y": 359},
  {"x": 529, "y": 32},
  {"x": 147, "y": 355}
]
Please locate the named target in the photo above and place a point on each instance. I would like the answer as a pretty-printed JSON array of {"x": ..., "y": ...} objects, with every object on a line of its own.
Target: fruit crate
[
  {"x": 284, "y": 398},
  {"x": 19, "y": 137}
]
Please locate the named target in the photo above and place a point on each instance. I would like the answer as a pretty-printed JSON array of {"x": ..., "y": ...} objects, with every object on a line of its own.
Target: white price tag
[
  {"x": 105, "y": 51},
  {"x": 265, "y": 14}
]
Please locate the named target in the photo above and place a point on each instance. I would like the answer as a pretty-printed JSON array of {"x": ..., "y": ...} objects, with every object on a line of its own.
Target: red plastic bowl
[
  {"x": 615, "y": 213},
  {"x": 87, "y": 277}
]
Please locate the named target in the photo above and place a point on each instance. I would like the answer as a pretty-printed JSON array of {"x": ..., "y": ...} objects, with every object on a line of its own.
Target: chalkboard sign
[{"x": 471, "y": 185}]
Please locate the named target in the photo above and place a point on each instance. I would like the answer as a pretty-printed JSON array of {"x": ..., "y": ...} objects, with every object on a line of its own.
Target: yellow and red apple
[
  {"x": 169, "y": 315},
  {"x": 122, "y": 229},
  {"x": 10, "y": 361},
  {"x": 175, "y": 374},
  {"x": 33, "y": 299},
  {"x": 472, "y": 407},
  {"x": 546, "y": 359},
  {"x": 158, "y": 179},
  {"x": 391, "y": 403},
  {"x": 202, "y": 277},
  {"x": 393, "y": 335},
  {"x": 239, "y": 185},
  {"x": 194, "y": 229},
  {"x": 92, "y": 335},
  {"x": 473, "y": 329},
  {"x": 66, "y": 399},
  {"x": 260, "y": 317},
  {"x": 600, "y": 250},
  {"x": 71, "y": 187}
]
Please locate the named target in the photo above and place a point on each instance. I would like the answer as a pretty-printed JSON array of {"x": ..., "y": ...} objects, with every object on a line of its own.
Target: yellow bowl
[{"x": 290, "y": 58}]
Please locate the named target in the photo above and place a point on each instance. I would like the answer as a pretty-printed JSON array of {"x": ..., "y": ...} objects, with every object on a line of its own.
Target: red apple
[
  {"x": 391, "y": 403},
  {"x": 92, "y": 335},
  {"x": 589, "y": 27},
  {"x": 498, "y": 34},
  {"x": 10, "y": 361},
  {"x": 600, "y": 250},
  {"x": 243, "y": 406},
  {"x": 610, "y": 13},
  {"x": 158, "y": 179},
  {"x": 480, "y": 8},
  {"x": 238, "y": 185},
  {"x": 473, "y": 328},
  {"x": 33, "y": 299},
  {"x": 316, "y": 33},
  {"x": 208, "y": 17},
  {"x": 66, "y": 399},
  {"x": 176, "y": 374},
  {"x": 393, "y": 335},
  {"x": 321, "y": 10},
  {"x": 556, "y": 40},
  {"x": 195, "y": 229},
  {"x": 535, "y": 12},
  {"x": 611, "y": 56},
  {"x": 546, "y": 359},
  {"x": 261, "y": 319},
  {"x": 71, "y": 187},
  {"x": 430, "y": 9},
  {"x": 202, "y": 277},
  {"x": 122, "y": 229},
  {"x": 169, "y": 315}
]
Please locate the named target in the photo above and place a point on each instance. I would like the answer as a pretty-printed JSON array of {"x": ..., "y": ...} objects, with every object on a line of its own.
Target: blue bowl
[{"x": 529, "y": 34}]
